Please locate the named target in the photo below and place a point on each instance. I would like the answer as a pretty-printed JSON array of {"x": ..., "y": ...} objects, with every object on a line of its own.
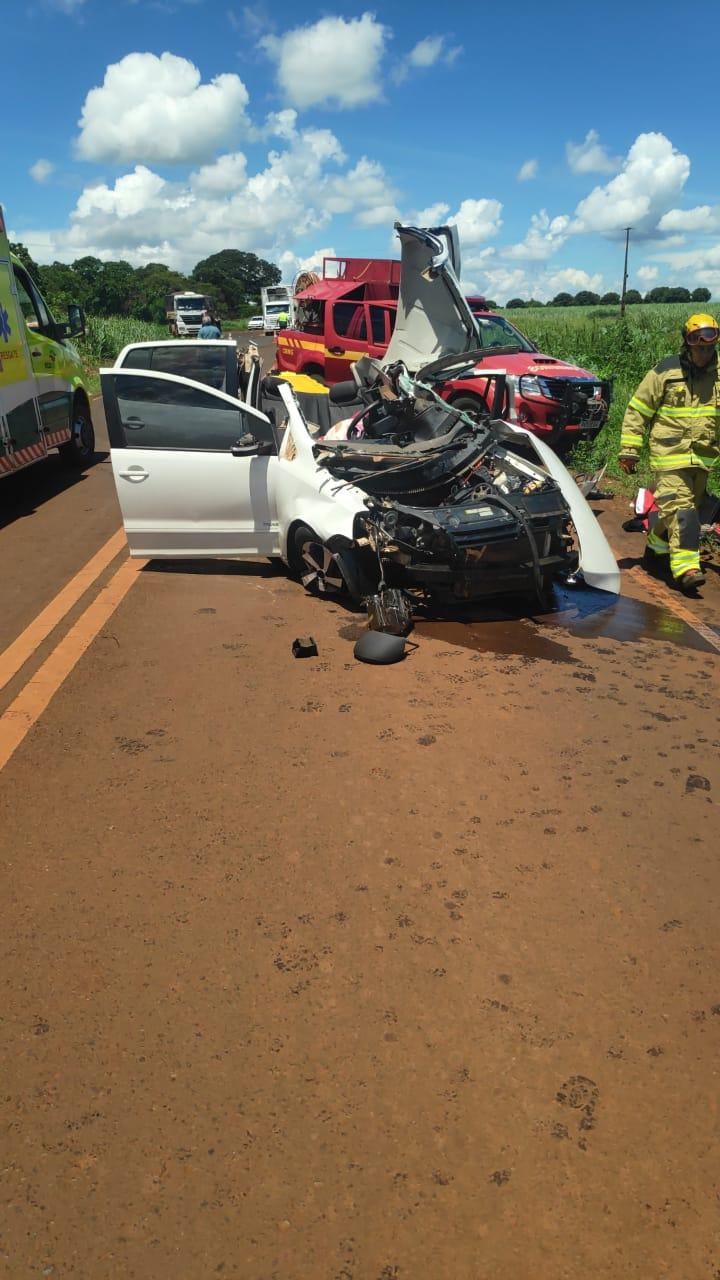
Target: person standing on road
[
  {"x": 209, "y": 327},
  {"x": 282, "y": 319},
  {"x": 679, "y": 400}
]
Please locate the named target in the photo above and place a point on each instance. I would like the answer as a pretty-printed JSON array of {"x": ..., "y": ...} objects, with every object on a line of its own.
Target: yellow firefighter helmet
[{"x": 700, "y": 328}]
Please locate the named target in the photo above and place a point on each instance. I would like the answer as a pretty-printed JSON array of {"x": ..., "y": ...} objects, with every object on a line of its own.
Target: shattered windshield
[{"x": 497, "y": 332}]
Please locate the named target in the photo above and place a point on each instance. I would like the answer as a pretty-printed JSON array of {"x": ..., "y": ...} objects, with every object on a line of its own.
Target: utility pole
[{"x": 624, "y": 283}]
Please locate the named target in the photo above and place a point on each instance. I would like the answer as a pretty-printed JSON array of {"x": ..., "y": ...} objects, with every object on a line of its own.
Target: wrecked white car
[{"x": 378, "y": 484}]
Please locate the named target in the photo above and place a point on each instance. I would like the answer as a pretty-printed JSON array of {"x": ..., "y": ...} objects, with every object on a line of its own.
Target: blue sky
[{"x": 164, "y": 130}]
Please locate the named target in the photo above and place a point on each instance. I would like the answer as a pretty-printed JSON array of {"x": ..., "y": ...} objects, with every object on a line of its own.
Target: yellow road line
[
  {"x": 30, "y": 703},
  {"x": 666, "y": 597},
  {"x": 13, "y": 658}
]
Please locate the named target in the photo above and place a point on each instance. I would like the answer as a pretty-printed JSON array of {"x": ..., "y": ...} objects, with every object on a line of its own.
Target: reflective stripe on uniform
[
  {"x": 657, "y": 544},
  {"x": 682, "y": 561},
  {"x": 628, "y": 440},
  {"x": 641, "y": 407},
  {"x": 679, "y": 461},
  {"x": 689, "y": 411},
  {"x": 672, "y": 462}
]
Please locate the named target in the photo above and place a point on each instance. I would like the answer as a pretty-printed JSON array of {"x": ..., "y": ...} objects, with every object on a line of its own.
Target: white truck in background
[
  {"x": 276, "y": 299},
  {"x": 184, "y": 312}
]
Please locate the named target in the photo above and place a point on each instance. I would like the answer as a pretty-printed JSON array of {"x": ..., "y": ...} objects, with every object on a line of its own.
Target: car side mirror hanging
[
  {"x": 248, "y": 447},
  {"x": 76, "y": 321}
]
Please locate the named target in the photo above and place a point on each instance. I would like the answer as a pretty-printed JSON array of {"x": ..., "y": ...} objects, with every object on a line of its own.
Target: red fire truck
[{"x": 351, "y": 312}]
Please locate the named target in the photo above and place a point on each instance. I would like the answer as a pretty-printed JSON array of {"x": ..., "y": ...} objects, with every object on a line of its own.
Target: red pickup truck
[{"x": 351, "y": 313}]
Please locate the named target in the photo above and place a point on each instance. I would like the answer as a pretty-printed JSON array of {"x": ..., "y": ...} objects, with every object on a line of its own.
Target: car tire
[
  {"x": 315, "y": 564},
  {"x": 544, "y": 596},
  {"x": 315, "y": 371},
  {"x": 80, "y": 449},
  {"x": 469, "y": 403}
]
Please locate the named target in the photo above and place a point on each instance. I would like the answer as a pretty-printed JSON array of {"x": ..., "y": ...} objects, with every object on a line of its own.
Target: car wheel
[
  {"x": 469, "y": 404},
  {"x": 80, "y": 449},
  {"x": 319, "y": 570}
]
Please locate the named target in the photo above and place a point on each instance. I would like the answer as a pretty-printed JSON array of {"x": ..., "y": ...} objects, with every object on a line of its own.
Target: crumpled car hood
[
  {"x": 433, "y": 318},
  {"x": 528, "y": 362}
]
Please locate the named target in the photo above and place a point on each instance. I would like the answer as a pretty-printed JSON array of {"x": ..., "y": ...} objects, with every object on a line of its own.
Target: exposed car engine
[{"x": 450, "y": 510}]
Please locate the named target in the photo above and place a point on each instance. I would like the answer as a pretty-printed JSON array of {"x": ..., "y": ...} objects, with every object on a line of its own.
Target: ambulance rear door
[{"x": 21, "y": 436}]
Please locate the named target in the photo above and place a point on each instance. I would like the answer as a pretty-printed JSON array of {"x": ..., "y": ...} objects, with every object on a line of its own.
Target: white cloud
[
  {"x": 646, "y": 275},
  {"x": 132, "y": 194},
  {"x": 703, "y": 218},
  {"x": 334, "y": 61},
  {"x": 365, "y": 192},
  {"x": 426, "y": 52},
  {"x": 41, "y": 170},
  {"x": 435, "y": 215},
  {"x": 527, "y": 171},
  {"x": 225, "y": 174},
  {"x": 572, "y": 280},
  {"x": 496, "y": 282},
  {"x": 485, "y": 273},
  {"x": 545, "y": 236},
  {"x": 477, "y": 220},
  {"x": 156, "y": 109},
  {"x": 591, "y": 156},
  {"x": 653, "y": 175},
  {"x": 282, "y": 124},
  {"x": 144, "y": 217},
  {"x": 697, "y": 261},
  {"x": 290, "y": 263}
]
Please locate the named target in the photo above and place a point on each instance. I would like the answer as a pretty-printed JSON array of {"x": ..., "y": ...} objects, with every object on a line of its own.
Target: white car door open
[{"x": 182, "y": 490}]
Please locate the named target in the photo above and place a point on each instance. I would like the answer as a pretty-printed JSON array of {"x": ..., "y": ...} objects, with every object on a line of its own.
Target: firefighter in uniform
[{"x": 679, "y": 400}]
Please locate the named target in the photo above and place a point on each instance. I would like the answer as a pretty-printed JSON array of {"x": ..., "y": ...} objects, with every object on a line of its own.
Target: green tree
[
  {"x": 632, "y": 297},
  {"x": 116, "y": 290},
  {"x": 60, "y": 286},
  {"x": 700, "y": 295},
  {"x": 152, "y": 284},
  {"x": 586, "y": 298},
  {"x": 658, "y": 294},
  {"x": 237, "y": 274},
  {"x": 678, "y": 294},
  {"x": 514, "y": 303},
  {"x": 562, "y": 300},
  {"x": 28, "y": 262},
  {"x": 610, "y": 299},
  {"x": 87, "y": 271}
]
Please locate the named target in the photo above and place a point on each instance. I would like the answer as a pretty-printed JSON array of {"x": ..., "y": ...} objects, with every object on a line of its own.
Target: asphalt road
[{"x": 317, "y": 970}]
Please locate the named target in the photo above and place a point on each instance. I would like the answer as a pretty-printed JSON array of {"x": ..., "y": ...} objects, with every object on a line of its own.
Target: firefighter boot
[{"x": 690, "y": 581}]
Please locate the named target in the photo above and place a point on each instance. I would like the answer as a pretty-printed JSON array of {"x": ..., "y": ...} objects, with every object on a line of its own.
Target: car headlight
[{"x": 530, "y": 387}]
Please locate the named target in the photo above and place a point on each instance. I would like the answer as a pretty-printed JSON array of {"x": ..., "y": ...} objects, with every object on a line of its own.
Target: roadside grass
[{"x": 105, "y": 337}]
